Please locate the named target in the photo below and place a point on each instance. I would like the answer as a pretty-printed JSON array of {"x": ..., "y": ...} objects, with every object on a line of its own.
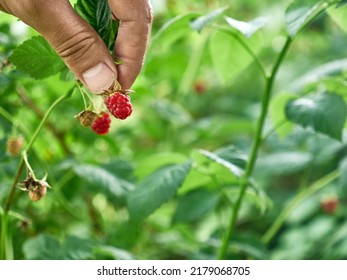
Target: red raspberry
[
  {"x": 101, "y": 124},
  {"x": 119, "y": 105}
]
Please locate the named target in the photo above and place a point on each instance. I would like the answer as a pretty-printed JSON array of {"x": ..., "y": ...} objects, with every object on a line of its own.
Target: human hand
[{"x": 80, "y": 46}]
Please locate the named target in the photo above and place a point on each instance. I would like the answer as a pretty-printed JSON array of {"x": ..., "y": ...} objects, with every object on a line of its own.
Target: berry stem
[
  {"x": 301, "y": 196},
  {"x": 10, "y": 197}
]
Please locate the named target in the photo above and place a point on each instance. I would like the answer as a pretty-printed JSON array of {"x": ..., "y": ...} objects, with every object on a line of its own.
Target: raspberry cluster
[{"x": 117, "y": 102}]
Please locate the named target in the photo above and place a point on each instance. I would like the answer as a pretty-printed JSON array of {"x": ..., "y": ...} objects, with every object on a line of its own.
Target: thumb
[{"x": 82, "y": 50}]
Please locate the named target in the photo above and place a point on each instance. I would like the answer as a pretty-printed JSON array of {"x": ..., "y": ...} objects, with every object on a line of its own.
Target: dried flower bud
[
  {"x": 86, "y": 118},
  {"x": 37, "y": 189},
  {"x": 14, "y": 145}
]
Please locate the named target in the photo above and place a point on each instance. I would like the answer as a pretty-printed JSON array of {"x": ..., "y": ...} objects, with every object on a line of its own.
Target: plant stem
[
  {"x": 254, "y": 150},
  {"x": 316, "y": 186},
  {"x": 21, "y": 165}
]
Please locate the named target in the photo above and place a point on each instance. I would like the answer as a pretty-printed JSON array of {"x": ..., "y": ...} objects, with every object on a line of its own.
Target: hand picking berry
[
  {"x": 101, "y": 124},
  {"x": 119, "y": 105}
]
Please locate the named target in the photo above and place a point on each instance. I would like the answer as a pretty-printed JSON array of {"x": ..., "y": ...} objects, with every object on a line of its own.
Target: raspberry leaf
[
  {"x": 45, "y": 247},
  {"x": 103, "y": 180},
  {"x": 156, "y": 189},
  {"x": 229, "y": 56},
  {"x": 324, "y": 113},
  {"x": 300, "y": 12},
  {"x": 37, "y": 58},
  {"x": 201, "y": 22},
  {"x": 247, "y": 28},
  {"x": 194, "y": 205},
  {"x": 233, "y": 168},
  {"x": 174, "y": 29},
  {"x": 98, "y": 15},
  {"x": 339, "y": 16}
]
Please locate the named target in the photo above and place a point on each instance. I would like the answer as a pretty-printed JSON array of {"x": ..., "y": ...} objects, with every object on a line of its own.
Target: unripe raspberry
[
  {"x": 86, "y": 118},
  {"x": 101, "y": 124},
  {"x": 119, "y": 105},
  {"x": 14, "y": 145}
]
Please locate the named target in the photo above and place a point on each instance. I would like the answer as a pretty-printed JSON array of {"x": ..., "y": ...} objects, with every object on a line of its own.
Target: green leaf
[
  {"x": 45, "y": 247},
  {"x": 75, "y": 248},
  {"x": 324, "y": 112},
  {"x": 174, "y": 28},
  {"x": 155, "y": 190},
  {"x": 278, "y": 116},
  {"x": 234, "y": 169},
  {"x": 299, "y": 13},
  {"x": 247, "y": 28},
  {"x": 103, "y": 179},
  {"x": 283, "y": 163},
  {"x": 98, "y": 15},
  {"x": 172, "y": 112},
  {"x": 195, "y": 205},
  {"x": 229, "y": 57},
  {"x": 341, "y": 3},
  {"x": 37, "y": 58},
  {"x": 339, "y": 16},
  {"x": 233, "y": 155},
  {"x": 343, "y": 176},
  {"x": 201, "y": 22},
  {"x": 42, "y": 247}
]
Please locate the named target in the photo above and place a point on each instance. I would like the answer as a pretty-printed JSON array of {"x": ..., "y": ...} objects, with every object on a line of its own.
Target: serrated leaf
[
  {"x": 247, "y": 28},
  {"x": 324, "y": 112},
  {"x": 174, "y": 28},
  {"x": 42, "y": 247},
  {"x": 195, "y": 205},
  {"x": 283, "y": 163},
  {"x": 201, "y": 22},
  {"x": 37, "y": 58},
  {"x": 233, "y": 155},
  {"x": 155, "y": 190},
  {"x": 45, "y": 247},
  {"x": 234, "y": 169},
  {"x": 229, "y": 57},
  {"x": 99, "y": 16},
  {"x": 75, "y": 248},
  {"x": 299, "y": 13},
  {"x": 103, "y": 179}
]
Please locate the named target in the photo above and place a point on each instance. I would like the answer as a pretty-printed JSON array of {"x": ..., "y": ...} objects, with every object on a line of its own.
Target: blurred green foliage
[{"x": 196, "y": 103}]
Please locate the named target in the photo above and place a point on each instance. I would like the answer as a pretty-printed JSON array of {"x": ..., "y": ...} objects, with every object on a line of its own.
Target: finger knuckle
[{"x": 78, "y": 46}]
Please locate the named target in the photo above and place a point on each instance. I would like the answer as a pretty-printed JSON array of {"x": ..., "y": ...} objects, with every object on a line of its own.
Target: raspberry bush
[{"x": 236, "y": 148}]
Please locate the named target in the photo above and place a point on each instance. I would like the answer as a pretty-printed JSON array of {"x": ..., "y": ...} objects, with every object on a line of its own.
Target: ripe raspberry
[
  {"x": 101, "y": 124},
  {"x": 119, "y": 105}
]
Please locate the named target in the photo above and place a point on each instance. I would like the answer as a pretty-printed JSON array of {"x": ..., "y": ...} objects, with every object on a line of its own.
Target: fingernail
[{"x": 99, "y": 78}]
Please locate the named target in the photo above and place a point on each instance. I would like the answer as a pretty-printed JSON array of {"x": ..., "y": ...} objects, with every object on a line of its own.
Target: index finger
[{"x": 135, "y": 20}]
